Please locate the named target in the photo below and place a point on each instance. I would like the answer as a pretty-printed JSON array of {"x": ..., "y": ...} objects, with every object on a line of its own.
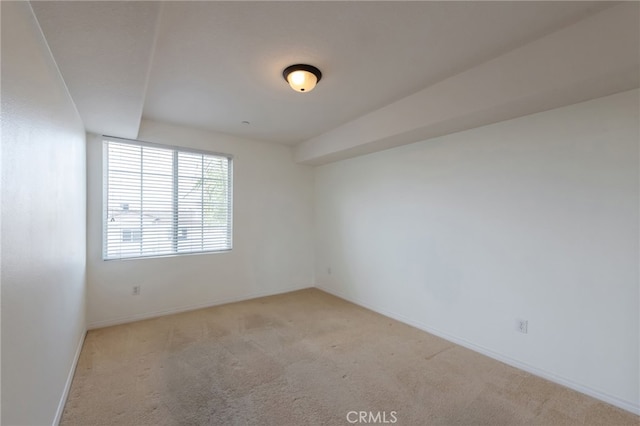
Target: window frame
[{"x": 105, "y": 196}]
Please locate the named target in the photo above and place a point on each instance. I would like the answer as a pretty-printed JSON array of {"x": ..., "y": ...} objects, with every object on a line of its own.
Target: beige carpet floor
[{"x": 305, "y": 358}]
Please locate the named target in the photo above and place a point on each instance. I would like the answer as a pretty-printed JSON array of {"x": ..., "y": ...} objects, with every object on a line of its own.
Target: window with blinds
[{"x": 161, "y": 200}]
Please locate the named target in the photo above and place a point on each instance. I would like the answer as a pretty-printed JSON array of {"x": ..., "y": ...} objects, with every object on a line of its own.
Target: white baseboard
[
  {"x": 625, "y": 405},
  {"x": 177, "y": 310},
  {"x": 67, "y": 385}
]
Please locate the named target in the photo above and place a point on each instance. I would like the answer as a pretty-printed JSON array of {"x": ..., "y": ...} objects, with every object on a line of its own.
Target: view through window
[{"x": 162, "y": 200}]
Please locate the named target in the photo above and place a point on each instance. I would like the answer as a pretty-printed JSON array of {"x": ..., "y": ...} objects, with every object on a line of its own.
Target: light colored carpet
[{"x": 305, "y": 358}]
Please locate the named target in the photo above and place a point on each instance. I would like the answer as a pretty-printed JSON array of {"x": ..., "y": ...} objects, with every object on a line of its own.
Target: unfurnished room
[{"x": 320, "y": 213}]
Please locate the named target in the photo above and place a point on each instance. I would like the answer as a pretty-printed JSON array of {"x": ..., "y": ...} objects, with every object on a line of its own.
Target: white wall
[
  {"x": 43, "y": 225},
  {"x": 272, "y": 235},
  {"x": 534, "y": 218}
]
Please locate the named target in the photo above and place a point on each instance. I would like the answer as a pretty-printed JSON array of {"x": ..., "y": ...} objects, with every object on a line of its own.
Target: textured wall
[{"x": 43, "y": 224}]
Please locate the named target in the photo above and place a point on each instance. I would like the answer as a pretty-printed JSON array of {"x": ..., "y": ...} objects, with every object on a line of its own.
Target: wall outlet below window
[{"x": 136, "y": 290}]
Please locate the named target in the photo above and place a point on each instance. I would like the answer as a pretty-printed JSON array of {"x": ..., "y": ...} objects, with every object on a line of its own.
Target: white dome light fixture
[{"x": 301, "y": 77}]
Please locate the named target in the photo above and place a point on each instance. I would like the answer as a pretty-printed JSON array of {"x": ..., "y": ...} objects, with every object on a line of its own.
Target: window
[{"x": 161, "y": 200}]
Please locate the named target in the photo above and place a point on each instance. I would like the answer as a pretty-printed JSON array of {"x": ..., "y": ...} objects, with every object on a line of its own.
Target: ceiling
[{"x": 213, "y": 65}]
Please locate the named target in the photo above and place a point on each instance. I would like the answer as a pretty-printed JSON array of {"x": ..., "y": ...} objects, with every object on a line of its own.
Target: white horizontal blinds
[
  {"x": 203, "y": 202},
  {"x": 162, "y": 200}
]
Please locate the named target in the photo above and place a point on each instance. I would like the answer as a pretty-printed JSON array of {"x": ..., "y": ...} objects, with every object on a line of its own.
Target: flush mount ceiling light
[{"x": 302, "y": 77}]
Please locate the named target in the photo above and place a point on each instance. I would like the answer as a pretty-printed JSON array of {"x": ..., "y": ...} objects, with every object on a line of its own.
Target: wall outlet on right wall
[{"x": 522, "y": 326}]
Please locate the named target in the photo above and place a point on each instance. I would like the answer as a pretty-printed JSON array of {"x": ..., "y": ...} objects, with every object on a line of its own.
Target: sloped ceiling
[
  {"x": 103, "y": 51},
  {"x": 213, "y": 65}
]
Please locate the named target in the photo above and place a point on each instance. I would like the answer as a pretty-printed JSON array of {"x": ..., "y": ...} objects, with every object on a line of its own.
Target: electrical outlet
[
  {"x": 136, "y": 290},
  {"x": 522, "y": 326},
  {"x": 329, "y": 271}
]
